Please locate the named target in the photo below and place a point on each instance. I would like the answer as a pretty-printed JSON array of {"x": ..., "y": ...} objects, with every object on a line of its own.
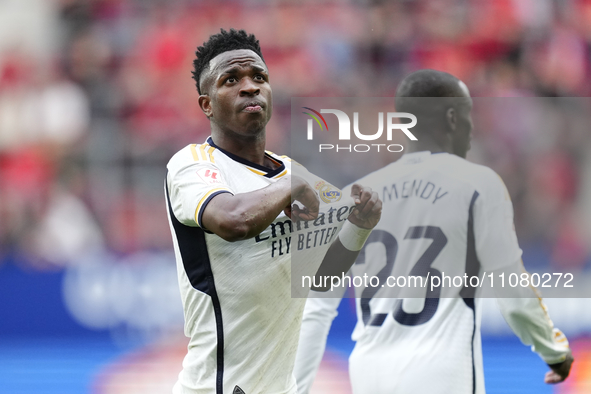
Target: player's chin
[{"x": 254, "y": 123}]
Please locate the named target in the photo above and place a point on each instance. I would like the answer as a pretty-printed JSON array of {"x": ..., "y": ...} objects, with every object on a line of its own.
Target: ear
[
  {"x": 205, "y": 104},
  {"x": 452, "y": 119}
]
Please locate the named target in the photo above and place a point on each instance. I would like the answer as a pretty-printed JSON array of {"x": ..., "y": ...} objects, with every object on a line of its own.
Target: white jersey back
[
  {"x": 442, "y": 216},
  {"x": 239, "y": 312}
]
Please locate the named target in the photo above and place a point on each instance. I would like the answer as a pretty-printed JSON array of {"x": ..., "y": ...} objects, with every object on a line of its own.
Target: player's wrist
[
  {"x": 297, "y": 185},
  {"x": 559, "y": 363},
  {"x": 353, "y": 237},
  {"x": 284, "y": 188}
]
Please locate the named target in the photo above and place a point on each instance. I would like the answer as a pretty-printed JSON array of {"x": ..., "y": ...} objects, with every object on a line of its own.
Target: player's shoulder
[
  {"x": 392, "y": 171},
  {"x": 462, "y": 167},
  {"x": 482, "y": 178},
  {"x": 192, "y": 154},
  {"x": 473, "y": 176}
]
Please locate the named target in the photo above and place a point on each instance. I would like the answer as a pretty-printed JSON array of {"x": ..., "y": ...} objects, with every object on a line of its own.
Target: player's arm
[
  {"x": 245, "y": 215},
  {"x": 320, "y": 311},
  {"x": 525, "y": 312},
  {"x": 344, "y": 250},
  {"x": 498, "y": 251}
]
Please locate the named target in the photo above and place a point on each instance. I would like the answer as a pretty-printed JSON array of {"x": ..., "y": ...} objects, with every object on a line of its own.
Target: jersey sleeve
[
  {"x": 192, "y": 187},
  {"x": 318, "y": 316},
  {"x": 498, "y": 251},
  {"x": 494, "y": 232},
  {"x": 527, "y": 315}
]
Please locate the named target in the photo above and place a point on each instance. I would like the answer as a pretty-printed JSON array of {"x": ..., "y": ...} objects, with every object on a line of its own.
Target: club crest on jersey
[
  {"x": 327, "y": 192},
  {"x": 210, "y": 176}
]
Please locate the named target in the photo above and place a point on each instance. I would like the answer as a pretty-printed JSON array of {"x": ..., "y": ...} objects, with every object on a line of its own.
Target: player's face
[{"x": 238, "y": 94}]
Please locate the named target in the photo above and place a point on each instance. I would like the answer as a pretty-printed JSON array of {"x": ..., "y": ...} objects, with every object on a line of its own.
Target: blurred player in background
[
  {"x": 229, "y": 204},
  {"x": 441, "y": 214}
]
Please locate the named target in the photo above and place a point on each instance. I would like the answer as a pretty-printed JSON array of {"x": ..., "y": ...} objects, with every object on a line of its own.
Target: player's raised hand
[
  {"x": 303, "y": 193},
  {"x": 368, "y": 207},
  {"x": 559, "y": 372}
]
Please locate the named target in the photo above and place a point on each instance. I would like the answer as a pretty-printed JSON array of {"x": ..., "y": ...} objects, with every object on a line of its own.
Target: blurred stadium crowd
[{"x": 96, "y": 95}]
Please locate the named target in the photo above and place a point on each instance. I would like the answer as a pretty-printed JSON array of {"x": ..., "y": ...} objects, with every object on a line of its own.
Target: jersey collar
[
  {"x": 417, "y": 157},
  {"x": 256, "y": 168}
]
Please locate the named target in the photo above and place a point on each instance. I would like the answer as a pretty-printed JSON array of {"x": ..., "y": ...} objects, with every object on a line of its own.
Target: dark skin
[
  {"x": 455, "y": 136},
  {"x": 455, "y": 139},
  {"x": 559, "y": 372},
  {"x": 234, "y": 80},
  {"x": 238, "y": 100}
]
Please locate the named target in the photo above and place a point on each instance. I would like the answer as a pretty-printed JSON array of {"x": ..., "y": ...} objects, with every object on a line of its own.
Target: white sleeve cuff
[{"x": 353, "y": 237}]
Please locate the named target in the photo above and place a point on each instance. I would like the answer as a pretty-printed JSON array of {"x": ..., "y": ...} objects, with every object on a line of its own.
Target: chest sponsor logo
[{"x": 310, "y": 234}]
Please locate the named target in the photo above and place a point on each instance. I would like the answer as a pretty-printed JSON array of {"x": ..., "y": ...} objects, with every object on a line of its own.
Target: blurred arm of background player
[
  {"x": 245, "y": 215},
  {"x": 526, "y": 314},
  {"x": 320, "y": 311},
  {"x": 498, "y": 251}
]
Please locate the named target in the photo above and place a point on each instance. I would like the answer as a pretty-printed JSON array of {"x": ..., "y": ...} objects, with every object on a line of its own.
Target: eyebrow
[
  {"x": 259, "y": 68},
  {"x": 234, "y": 70}
]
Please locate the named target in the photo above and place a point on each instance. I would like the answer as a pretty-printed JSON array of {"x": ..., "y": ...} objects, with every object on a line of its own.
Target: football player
[
  {"x": 441, "y": 215},
  {"x": 230, "y": 212}
]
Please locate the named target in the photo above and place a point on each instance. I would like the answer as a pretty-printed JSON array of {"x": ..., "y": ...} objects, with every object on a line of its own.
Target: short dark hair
[
  {"x": 429, "y": 83},
  {"x": 428, "y": 92},
  {"x": 219, "y": 43}
]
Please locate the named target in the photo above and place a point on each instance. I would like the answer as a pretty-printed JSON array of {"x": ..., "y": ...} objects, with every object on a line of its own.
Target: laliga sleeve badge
[
  {"x": 210, "y": 176},
  {"x": 327, "y": 192}
]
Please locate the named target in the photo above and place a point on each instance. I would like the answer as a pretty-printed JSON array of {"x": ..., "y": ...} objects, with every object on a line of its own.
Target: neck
[
  {"x": 251, "y": 148},
  {"x": 428, "y": 143}
]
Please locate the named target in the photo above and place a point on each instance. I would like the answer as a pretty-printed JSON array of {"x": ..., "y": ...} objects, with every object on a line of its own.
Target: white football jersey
[
  {"x": 442, "y": 216},
  {"x": 240, "y": 316}
]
